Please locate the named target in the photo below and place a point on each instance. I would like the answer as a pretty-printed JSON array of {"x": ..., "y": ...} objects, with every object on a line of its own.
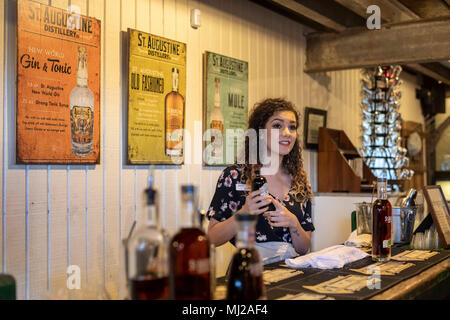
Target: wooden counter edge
[{"x": 404, "y": 289}]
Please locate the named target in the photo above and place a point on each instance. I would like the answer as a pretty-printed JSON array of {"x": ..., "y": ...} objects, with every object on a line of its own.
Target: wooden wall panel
[{"x": 4, "y": 141}]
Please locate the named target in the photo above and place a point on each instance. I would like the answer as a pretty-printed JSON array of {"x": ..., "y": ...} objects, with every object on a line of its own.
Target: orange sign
[{"x": 58, "y": 86}]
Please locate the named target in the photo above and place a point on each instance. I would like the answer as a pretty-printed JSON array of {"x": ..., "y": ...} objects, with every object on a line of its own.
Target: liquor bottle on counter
[
  {"x": 174, "y": 104},
  {"x": 216, "y": 123},
  {"x": 245, "y": 281},
  {"x": 382, "y": 223},
  {"x": 259, "y": 182},
  {"x": 148, "y": 270},
  {"x": 82, "y": 110},
  {"x": 190, "y": 254},
  {"x": 7, "y": 287}
]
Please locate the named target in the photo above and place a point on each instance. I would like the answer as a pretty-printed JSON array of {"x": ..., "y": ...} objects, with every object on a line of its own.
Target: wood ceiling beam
[
  {"x": 427, "y": 9},
  {"x": 434, "y": 70},
  {"x": 392, "y": 11},
  {"x": 310, "y": 14},
  {"x": 405, "y": 43}
]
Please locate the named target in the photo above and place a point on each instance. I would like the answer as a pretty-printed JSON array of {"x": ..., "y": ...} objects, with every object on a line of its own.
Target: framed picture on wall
[
  {"x": 438, "y": 207},
  {"x": 58, "y": 86},
  {"x": 156, "y": 99},
  {"x": 225, "y": 107},
  {"x": 314, "y": 119}
]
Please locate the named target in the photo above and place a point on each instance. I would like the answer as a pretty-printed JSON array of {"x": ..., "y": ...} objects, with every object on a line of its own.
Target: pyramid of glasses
[{"x": 382, "y": 123}]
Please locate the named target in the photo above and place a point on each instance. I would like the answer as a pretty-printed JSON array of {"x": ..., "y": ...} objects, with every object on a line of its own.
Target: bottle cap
[
  {"x": 189, "y": 188},
  {"x": 151, "y": 192}
]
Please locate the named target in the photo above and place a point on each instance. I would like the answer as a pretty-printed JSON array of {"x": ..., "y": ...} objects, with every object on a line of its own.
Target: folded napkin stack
[
  {"x": 362, "y": 240},
  {"x": 328, "y": 258}
]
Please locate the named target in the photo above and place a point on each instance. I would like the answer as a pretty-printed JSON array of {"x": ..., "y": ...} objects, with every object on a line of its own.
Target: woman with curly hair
[{"x": 285, "y": 231}]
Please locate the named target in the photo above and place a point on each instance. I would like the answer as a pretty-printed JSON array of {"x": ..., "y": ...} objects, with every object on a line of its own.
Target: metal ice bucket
[
  {"x": 363, "y": 218},
  {"x": 403, "y": 223}
]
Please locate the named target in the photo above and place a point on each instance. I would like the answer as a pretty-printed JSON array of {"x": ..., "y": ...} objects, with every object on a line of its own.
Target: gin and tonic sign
[{"x": 58, "y": 86}]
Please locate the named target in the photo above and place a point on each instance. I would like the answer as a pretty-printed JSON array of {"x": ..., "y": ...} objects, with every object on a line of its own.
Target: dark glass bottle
[
  {"x": 382, "y": 224},
  {"x": 259, "y": 182},
  {"x": 148, "y": 270},
  {"x": 245, "y": 280},
  {"x": 190, "y": 254}
]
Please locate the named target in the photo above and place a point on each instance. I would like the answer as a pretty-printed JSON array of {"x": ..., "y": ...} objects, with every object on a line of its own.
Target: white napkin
[
  {"x": 274, "y": 251},
  {"x": 328, "y": 258},
  {"x": 363, "y": 240}
]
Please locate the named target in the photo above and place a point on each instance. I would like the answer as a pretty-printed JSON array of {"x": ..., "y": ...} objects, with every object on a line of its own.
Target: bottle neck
[
  {"x": 217, "y": 96},
  {"x": 189, "y": 217},
  {"x": 246, "y": 234},
  {"x": 82, "y": 74},
  {"x": 382, "y": 189},
  {"x": 175, "y": 81},
  {"x": 153, "y": 219}
]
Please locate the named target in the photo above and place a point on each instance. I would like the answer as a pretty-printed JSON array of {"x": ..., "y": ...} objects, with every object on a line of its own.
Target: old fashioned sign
[{"x": 156, "y": 99}]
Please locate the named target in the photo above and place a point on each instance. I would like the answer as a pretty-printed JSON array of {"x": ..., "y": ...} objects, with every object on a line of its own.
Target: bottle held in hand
[{"x": 258, "y": 183}]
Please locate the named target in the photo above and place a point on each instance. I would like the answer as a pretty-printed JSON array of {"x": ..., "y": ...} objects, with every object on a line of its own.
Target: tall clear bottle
[
  {"x": 82, "y": 110},
  {"x": 148, "y": 270},
  {"x": 382, "y": 223},
  {"x": 245, "y": 281},
  {"x": 216, "y": 123},
  {"x": 174, "y": 104},
  {"x": 190, "y": 254}
]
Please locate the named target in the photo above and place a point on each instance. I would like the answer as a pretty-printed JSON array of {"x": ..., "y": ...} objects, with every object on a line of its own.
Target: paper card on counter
[
  {"x": 384, "y": 268},
  {"x": 414, "y": 255},
  {"x": 305, "y": 296},
  {"x": 340, "y": 285},
  {"x": 275, "y": 275}
]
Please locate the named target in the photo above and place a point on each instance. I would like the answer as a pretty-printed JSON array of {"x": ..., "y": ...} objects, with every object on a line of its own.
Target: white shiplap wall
[{"x": 54, "y": 216}]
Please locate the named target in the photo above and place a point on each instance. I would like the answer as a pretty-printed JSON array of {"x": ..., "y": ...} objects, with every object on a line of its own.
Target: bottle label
[
  {"x": 198, "y": 266},
  {"x": 256, "y": 269},
  {"x": 264, "y": 187},
  {"x": 215, "y": 124},
  {"x": 82, "y": 124},
  {"x": 387, "y": 243}
]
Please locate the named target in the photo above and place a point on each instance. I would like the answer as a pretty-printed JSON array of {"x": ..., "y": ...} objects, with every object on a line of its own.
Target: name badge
[{"x": 241, "y": 187}]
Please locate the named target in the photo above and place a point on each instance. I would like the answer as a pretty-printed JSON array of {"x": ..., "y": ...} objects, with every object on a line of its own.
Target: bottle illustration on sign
[
  {"x": 82, "y": 110},
  {"x": 216, "y": 123},
  {"x": 174, "y": 104}
]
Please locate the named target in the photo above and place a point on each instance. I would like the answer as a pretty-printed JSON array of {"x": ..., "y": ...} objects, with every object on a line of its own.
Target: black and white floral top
[{"x": 229, "y": 198}]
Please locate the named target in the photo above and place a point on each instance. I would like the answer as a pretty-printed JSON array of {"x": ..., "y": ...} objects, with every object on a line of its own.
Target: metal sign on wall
[
  {"x": 225, "y": 107},
  {"x": 58, "y": 86},
  {"x": 156, "y": 99}
]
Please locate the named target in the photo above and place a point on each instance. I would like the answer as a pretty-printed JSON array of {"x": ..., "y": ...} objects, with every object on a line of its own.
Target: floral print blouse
[{"x": 229, "y": 198}]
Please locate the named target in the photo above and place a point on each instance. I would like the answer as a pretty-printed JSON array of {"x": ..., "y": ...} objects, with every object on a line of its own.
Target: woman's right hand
[{"x": 256, "y": 203}]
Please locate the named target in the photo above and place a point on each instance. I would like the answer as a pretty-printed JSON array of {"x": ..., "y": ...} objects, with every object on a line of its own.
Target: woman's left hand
[{"x": 281, "y": 217}]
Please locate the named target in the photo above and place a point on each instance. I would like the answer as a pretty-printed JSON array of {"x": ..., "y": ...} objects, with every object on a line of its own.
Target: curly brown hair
[{"x": 292, "y": 162}]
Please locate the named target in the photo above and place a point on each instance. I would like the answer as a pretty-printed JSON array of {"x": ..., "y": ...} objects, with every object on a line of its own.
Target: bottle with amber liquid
[
  {"x": 174, "y": 104},
  {"x": 259, "y": 182},
  {"x": 190, "y": 254},
  {"x": 382, "y": 224},
  {"x": 148, "y": 269},
  {"x": 245, "y": 280}
]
